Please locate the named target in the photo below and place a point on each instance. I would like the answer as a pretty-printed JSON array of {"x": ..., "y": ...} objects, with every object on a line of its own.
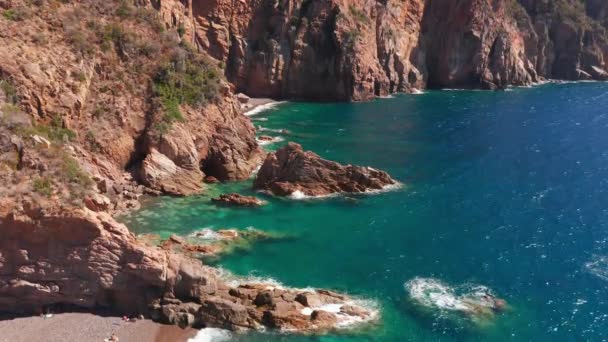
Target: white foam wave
[
  {"x": 386, "y": 188},
  {"x": 433, "y": 293},
  {"x": 211, "y": 335},
  {"x": 344, "y": 319},
  {"x": 269, "y": 142},
  {"x": 235, "y": 281},
  {"x": 206, "y": 233},
  {"x": 300, "y": 196},
  {"x": 386, "y": 97},
  {"x": 263, "y": 108},
  {"x": 275, "y": 130},
  {"x": 598, "y": 266},
  {"x": 417, "y": 91}
]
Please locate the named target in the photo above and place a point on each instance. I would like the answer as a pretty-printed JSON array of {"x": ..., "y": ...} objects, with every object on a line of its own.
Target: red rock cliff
[{"x": 355, "y": 50}]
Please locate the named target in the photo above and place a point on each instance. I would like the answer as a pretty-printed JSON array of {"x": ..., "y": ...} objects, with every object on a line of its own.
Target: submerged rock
[
  {"x": 291, "y": 171},
  {"x": 211, "y": 243},
  {"x": 265, "y": 138},
  {"x": 238, "y": 200}
]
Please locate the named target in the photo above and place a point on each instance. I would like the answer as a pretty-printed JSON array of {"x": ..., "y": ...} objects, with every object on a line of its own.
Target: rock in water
[
  {"x": 238, "y": 200},
  {"x": 291, "y": 171}
]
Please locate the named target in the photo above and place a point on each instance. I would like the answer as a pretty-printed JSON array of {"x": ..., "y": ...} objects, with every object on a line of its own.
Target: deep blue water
[{"x": 504, "y": 189}]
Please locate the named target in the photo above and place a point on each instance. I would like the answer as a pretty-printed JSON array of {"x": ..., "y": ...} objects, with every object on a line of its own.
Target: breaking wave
[
  {"x": 268, "y": 142},
  {"x": 472, "y": 299},
  {"x": 263, "y": 108},
  {"x": 211, "y": 335},
  {"x": 598, "y": 266}
]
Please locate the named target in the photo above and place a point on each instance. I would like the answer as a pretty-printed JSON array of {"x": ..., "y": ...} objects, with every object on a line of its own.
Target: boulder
[
  {"x": 97, "y": 202},
  {"x": 292, "y": 170},
  {"x": 161, "y": 173}
]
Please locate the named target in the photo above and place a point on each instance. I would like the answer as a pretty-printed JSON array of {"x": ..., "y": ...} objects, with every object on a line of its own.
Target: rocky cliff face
[
  {"x": 93, "y": 69},
  {"x": 355, "y": 50},
  {"x": 85, "y": 259}
]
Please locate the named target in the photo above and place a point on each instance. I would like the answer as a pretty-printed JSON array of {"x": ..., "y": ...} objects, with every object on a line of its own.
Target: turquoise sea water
[{"x": 504, "y": 189}]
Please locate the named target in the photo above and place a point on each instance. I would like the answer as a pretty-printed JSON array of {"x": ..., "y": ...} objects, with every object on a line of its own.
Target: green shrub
[
  {"x": 350, "y": 38},
  {"x": 43, "y": 186},
  {"x": 185, "y": 79},
  {"x": 54, "y": 131},
  {"x": 124, "y": 10},
  {"x": 181, "y": 30},
  {"x": 80, "y": 40},
  {"x": 92, "y": 141},
  {"x": 16, "y": 13},
  {"x": 123, "y": 41},
  {"x": 149, "y": 16},
  {"x": 72, "y": 172},
  {"x": 79, "y": 75},
  {"x": 10, "y": 92},
  {"x": 358, "y": 15}
]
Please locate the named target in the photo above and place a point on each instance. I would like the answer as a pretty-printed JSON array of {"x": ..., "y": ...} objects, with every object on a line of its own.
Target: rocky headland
[
  {"x": 102, "y": 102},
  {"x": 291, "y": 171}
]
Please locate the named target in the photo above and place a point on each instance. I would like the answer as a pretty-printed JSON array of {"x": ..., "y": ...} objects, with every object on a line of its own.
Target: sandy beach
[
  {"x": 84, "y": 327},
  {"x": 257, "y": 105}
]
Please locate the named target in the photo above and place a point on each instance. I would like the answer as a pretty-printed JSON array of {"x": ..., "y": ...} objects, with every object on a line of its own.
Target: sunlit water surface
[{"x": 504, "y": 189}]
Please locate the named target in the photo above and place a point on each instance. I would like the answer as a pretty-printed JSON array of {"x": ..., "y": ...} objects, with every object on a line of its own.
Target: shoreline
[
  {"x": 80, "y": 326},
  {"x": 258, "y": 105}
]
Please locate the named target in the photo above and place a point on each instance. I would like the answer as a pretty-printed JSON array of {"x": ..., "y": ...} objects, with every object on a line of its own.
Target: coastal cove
[{"x": 501, "y": 189}]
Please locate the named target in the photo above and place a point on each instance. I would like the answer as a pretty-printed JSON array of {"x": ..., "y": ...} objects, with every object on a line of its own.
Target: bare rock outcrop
[
  {"x": 291, "y": 170},
  {"x": 85, "y": 259}
]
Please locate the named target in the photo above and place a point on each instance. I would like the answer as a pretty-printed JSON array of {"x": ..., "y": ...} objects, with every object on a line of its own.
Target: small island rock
[{"x": 291, "y": 169}]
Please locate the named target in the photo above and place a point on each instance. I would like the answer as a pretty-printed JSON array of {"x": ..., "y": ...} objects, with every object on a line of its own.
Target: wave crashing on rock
[
  {"x": 474, "y": 301},
  {"x": 211, "y": 335}
]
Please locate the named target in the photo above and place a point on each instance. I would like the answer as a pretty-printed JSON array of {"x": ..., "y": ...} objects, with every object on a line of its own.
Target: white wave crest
[
  {"x": 433, "y": 293},
  {"x": 299, "y": 195},
  {"x": 344, "y": 319},
  {"x": 417, "y": 91},
  {"x": 598, "y": 266},
  {"x": 211, "y": 335},
  {"x": 206, "y": 233},
  {"x": 263, "y": 108},
  {"x": 268, "y": 142}
]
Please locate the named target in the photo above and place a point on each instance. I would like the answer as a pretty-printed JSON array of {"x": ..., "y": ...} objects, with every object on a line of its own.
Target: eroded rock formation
[
  {"x": 355, "y": 50},
  {"x": 291, "y": 170}
]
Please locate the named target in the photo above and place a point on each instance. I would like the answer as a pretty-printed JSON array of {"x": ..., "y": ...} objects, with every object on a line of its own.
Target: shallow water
[{"x": 503, "y": 189}]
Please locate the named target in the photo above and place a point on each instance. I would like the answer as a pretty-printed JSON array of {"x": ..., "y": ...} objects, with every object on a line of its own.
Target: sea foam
[
  {"x": 211, "y": 335},
  {"x": 598, "y": 266},
  {"x": 299, "y": 195},
  {"x": 268, "y": 142},
  {"x": 263, "y": 108},
  {"x": 468, "y": 298}
]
